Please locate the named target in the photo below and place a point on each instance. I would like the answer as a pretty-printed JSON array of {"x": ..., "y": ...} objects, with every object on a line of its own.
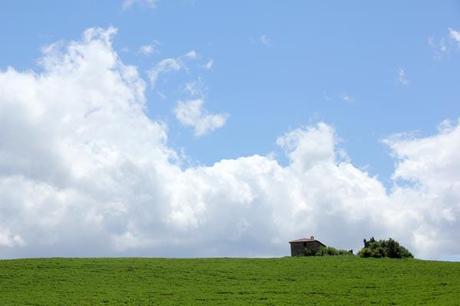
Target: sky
[{"x": 201, "y": 128}]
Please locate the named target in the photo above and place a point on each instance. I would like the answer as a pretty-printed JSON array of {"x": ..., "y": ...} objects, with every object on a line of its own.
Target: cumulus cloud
[
  {"x": 191, "y": 113},
  {"x": 431, "y": 203},
  {"x": 85, "y": 172}
]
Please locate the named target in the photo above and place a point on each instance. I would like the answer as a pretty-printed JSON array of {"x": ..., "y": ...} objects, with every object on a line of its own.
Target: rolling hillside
[{"x": 289, "y": 281}]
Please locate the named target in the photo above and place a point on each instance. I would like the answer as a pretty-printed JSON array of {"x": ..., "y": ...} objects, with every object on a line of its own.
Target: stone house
[{"x": 305, "y": 246}]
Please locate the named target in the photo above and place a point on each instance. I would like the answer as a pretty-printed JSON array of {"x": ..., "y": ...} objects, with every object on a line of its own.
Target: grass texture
[{"x": 334, "y": 280}]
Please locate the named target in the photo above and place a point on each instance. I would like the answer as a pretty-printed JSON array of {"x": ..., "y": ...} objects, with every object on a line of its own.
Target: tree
[{"x": 384, "y": 248}]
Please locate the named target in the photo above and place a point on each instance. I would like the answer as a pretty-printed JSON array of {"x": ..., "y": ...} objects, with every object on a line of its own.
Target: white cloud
[
  {"x": 170, "y": 64},
  {"x": 318, "y": 143},
  {"x": 347, "y": 98},
  {"x": 149, "y": 49},
  {"x": 191, "y": 113},
  {"x": 84, "y": 172},
  {"x": 9, "y": 240},
  {"x": 454, "y": 35},
  {"x": 402, "y": 77},
  {"x": 209, "y": 64},
  {"x": 196, "y": 88},
  {"x": 440, "y": 47},
  {"x": 265, "y": 40},
  {"x": 192, "y": 55},
  {"x": 431, "y": 205},
  {"x": 444, "y": 45},
  {"x": 166, "y": 65},
  {"x": 146, "y": 3}
]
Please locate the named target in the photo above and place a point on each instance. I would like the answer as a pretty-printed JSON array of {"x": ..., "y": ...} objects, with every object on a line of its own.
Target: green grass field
[{"x": 281, "y": 281}]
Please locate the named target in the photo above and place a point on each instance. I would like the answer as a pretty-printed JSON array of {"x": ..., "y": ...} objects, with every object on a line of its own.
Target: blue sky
[
  {"x": 318, "y": 53},
  {"x": 262, "y": 113}
]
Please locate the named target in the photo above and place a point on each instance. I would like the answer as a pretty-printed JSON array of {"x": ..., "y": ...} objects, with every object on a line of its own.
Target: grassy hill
[{"x": 289, "y": 281}]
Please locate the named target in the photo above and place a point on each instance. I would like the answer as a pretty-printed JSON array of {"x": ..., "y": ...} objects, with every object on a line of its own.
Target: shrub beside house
[
  {"x": 312, "y": 247},
  {"x": 372, "y": 248}
]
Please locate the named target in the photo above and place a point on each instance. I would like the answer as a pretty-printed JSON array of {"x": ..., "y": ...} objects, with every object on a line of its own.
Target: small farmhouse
[{"x": 305, "y": 246}]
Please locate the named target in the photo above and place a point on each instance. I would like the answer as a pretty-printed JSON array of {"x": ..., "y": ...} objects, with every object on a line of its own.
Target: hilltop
[{"x": 305, "y": 280}]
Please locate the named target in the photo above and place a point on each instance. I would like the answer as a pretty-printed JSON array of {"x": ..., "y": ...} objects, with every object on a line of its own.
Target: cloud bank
[{"x": 85, "y": 172}]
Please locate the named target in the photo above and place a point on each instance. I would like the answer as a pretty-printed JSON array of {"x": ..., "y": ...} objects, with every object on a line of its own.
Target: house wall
[{"x": 298, "y": 248}]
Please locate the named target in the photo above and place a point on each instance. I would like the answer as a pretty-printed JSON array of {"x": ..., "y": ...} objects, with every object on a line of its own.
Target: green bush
[
  {"x": 327, "y": 251},
  {"x": 309, "y": 252},
  {"x": 384, "y": 248}
]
